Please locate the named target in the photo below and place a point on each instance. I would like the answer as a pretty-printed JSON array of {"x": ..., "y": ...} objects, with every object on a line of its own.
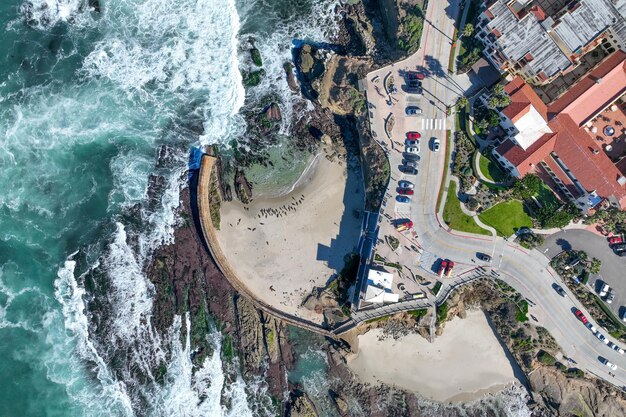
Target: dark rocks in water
[
  {"x": 243, "y": 188},
  {"x": 291, "y": 78},
  {"x": 255, "y": 54},
  {"x": 300, "y": 405},
  {"x": 186, "y": 279},
  {"x": 272, "y": 112},
  {"x": 95, "y": 5},
  {"x": 309, "y": 67},
  {"x": 252, "y": 78}
]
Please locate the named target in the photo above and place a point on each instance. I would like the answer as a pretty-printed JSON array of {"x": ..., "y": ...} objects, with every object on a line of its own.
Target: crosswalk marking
[{"x": 433, "y": 124}]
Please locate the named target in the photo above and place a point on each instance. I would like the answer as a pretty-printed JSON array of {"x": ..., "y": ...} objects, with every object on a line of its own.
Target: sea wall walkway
[{"x": 215, "y": 250}]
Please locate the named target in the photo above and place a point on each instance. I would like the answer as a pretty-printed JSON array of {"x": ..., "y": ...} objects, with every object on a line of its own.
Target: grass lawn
[
  {"x": 454, "y": 216},
  {"x": 491, "y": 170},
  {"x": 507, "y": 217}
]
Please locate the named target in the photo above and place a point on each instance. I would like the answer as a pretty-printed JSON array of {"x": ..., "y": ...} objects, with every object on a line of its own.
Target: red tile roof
[
  {"x": 595, "y": 91},
  {"x": 523, "y": 94},
  {"x": 526, "y": 160},
  {"x": 556, "y": 169},
  {"x": 586, "y": 160}
]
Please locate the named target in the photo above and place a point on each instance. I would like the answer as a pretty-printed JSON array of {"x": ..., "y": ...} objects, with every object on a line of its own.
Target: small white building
[{"x": 379, "y": 287}]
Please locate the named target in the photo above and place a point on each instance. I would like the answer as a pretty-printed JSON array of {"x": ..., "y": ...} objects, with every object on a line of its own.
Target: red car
[
  {"x": 411, "y": 75},
  {"x": 614, "y": 240},
  {"x": 442, "y": 268},
  {"x": 581, "y": 316},
  {"x": 449, "y": 268},
  {"x": 413, "y": 135},
  {"x": 405, "y": 191}
]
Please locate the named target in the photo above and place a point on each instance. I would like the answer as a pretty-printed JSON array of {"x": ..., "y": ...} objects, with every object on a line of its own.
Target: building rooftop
[
  {"x": 594, "y": 92},
  {"x": 520, "y": 37},
  {"x": 547, "y": 38},
  {"x": 585, "y": 22}
]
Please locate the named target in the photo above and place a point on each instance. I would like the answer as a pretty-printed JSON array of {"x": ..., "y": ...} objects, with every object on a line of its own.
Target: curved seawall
[{"x": 209, "y": 235}]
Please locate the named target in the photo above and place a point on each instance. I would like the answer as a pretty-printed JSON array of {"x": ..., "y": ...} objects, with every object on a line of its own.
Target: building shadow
[{"x": 347, "y": 238}]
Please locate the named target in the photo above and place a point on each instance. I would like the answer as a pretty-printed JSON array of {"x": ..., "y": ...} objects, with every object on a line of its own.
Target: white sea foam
[
  {"x": 47, "y": 13},
  {"x": 72, "y": 345},
  {"x": 187, "y": 48}
]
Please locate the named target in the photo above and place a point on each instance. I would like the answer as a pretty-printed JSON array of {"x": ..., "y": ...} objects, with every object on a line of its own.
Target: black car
[
  {"x": 620, "y": 247},
  {"x": 559, "y": 290},
  {"x": 408, "y": 170},
  {"x": 411, "y": 156},
  {"x": 483, "y": 257}
]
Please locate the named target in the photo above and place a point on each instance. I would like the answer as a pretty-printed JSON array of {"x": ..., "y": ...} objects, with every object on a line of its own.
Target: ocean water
[{"x": 88, "y": 98}]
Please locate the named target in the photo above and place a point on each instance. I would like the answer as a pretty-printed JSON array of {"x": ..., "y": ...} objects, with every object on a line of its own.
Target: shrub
[
  {"x": 521, "y": 311},
  {"x": 411, "y": 29},
  {"x": 393, "y": 242},
  {"x": 437, "y": 288},
  {"x": 545, "y": 358},
  {"x": 442, "y": 312},
  {"x": 417, "y": 314},
  {"x": 575, "y": 373}
]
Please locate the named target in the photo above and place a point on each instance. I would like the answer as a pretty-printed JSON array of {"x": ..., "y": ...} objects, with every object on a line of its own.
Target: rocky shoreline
[{"x": 257, "y": 345}]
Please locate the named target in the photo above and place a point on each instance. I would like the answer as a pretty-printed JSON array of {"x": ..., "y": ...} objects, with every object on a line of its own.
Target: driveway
[{"x": 613, "y": 267}]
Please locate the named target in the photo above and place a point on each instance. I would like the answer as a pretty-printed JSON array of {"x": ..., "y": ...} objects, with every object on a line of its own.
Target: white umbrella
[{"x": 594, "y": 129}]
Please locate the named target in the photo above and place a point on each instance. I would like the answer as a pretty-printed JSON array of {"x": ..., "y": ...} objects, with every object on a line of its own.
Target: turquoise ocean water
[{"x": 87, "y": 100}]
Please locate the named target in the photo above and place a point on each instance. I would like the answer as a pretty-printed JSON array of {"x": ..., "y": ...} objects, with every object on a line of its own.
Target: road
[{"x": 527, "y": 271}]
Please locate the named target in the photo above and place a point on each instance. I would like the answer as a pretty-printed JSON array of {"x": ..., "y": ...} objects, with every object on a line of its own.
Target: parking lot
[{"x": 613, "y": 270}]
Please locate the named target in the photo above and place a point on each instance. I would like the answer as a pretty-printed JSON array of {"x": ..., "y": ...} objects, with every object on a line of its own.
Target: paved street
[
  {"x": 613, "y": 266},
  {"x": 526, "y": 271}
]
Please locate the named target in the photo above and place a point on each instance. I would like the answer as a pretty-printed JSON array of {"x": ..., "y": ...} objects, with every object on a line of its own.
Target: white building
[{"x": 379, "y": 288}]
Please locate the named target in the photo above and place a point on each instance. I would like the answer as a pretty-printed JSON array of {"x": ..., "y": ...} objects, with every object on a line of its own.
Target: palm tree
[{"x": 468, "y": 30}]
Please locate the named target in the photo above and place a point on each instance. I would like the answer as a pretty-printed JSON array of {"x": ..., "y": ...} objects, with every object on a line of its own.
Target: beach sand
[
  {"x": 283, "y": 247},
  {"x": 464, "y": 363}
]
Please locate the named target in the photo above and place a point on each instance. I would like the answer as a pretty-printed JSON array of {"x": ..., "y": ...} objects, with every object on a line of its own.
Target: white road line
[{"x": 434, "y": 124}]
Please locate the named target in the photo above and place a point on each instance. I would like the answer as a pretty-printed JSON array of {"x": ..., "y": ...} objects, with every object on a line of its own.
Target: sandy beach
[
  {"x": 463, "y": 364},
  {"x": 283, "y": 247}
]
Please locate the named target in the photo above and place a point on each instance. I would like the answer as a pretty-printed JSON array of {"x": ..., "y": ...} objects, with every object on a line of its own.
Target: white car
[
  {"x": 616, "y": 348},
  {"x": 604, "y": 290},
  {"x": 602, "y": 338},
  {"x": 406, "y": 184},
  {"x": 412, "y": 149},
  {"x": 624, "y": 314},
  {"x": 609, "y": 364},
  {"x": 436, "y": 145},
  {"x": 591, "y": 327}
]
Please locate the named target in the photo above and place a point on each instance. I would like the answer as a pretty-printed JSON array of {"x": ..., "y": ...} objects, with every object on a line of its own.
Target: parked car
[
  {"x": 413, "y": 149},
  {"x": 413, "y": 111},
  {"x": 616, "y": 348},
  {"x": 610, "y": 297},
  {"x": 408, "y": 170},
  {"x": 559, "y": 290},
  {"x": 436, "y": 144},
  {"x": 604, "y": 289},
  {"x": 614, "y": 240},
  {"x": 414, "y": 75},
  {"x": 591, "y": 327},
  {"x": 581, "y": 316},
  {"x": 409, "y": 163},
  {"x": 413, "y": 135},
  {"x": 602, "y": 338},
  {"x": 483, "y": 257},
  {"x": 403, "y": 199},
  {"x": 609, "y": 364},
  {"x": 623, "y": 313},
  {"x": 409, "y": 142},
  {"x": 406, "y": 191},
  {"x": 619, "y": 248},
  {"x": 411, "y": 156},
  {"x": 405, "y": 184}
]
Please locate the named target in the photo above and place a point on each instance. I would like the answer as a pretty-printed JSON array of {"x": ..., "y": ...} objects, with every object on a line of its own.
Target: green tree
[
  {"x": 462, "y": 103},
  {"x": 594, "y": 268},
  {"x": 468, "y": 30}
]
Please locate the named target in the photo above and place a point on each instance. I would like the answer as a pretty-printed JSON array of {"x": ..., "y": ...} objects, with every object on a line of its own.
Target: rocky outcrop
[
  {"x": 187, "y": 280},
  {"x": 300, "y": 405},
  {"x": 580, "y": 397},
  {"x": 243, "y": 188},
  {"x": 272, "y": 113}
]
